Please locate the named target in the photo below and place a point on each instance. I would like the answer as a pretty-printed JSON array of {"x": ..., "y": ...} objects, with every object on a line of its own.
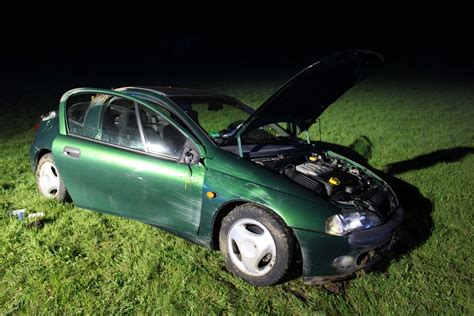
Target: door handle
[{"x": 71, "y": 152}]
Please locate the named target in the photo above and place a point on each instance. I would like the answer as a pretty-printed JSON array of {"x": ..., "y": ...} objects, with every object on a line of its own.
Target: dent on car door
[{"x": 126, "y": 161}]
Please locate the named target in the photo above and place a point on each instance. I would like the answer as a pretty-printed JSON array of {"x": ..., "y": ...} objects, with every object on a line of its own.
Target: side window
[
  {"x": 120, "y": 124},
  {"x": 83, "y": 116},
  {"x": 106, "y": 118},
  {"x": 161, "y": 137},
  {"x": 117, "y": 121},
  {"x": 77, "y": 112}
]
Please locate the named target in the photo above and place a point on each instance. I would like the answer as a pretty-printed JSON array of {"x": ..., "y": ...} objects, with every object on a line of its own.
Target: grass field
[{"x": 420, "y": 132}]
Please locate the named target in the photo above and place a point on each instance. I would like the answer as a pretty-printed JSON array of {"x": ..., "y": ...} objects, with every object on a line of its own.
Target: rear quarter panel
[{"x": 44, "y": 137}]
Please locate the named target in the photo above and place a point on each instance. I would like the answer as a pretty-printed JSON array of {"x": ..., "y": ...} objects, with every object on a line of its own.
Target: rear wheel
[
  {"x": 49, "y": 180},
  {"x": 256, "y": 244}
]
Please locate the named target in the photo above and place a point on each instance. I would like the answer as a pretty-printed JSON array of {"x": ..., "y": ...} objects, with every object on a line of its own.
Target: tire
[
  {"x": 256, "y": 244},
  {"x": 49, "y": 181}
]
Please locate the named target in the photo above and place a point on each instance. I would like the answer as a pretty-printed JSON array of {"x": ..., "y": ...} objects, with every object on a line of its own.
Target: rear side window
[
  {"x": 77, "y": 112},
  {"x": 105, "y": 118},
  {"x": 83, "y": 116}
]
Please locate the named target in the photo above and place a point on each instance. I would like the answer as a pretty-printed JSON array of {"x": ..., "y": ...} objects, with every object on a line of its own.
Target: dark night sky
[{"x": 131, "y": 40}]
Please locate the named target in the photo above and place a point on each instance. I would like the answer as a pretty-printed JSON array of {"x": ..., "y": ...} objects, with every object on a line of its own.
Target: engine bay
[{"x": 347, "y": 186}]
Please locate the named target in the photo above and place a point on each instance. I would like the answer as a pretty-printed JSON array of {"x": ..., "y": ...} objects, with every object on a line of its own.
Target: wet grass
[{"x": 421, "y": 132}]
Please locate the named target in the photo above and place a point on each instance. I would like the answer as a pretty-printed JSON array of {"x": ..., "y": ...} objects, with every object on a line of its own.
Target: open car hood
[{"x": 307, "y": 95}]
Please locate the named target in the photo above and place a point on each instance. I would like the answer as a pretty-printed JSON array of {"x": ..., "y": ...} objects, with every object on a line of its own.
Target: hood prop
[{"x": 239, "y": 144}]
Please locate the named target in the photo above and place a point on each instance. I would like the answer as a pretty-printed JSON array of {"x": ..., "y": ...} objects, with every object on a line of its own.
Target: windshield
[{"x": 220, "y": 117}]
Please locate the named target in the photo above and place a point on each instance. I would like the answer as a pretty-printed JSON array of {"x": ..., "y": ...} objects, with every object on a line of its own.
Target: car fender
[{"x": 295, "y": 211}]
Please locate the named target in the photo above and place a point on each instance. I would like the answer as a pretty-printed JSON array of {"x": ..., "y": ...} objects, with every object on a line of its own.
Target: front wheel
[
  {"x": 49, "y": 180},
  {"x": 256, "y": 244}
]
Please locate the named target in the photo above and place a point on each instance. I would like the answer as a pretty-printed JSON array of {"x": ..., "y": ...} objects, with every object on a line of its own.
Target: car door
[{"x": 125, "y": 157}]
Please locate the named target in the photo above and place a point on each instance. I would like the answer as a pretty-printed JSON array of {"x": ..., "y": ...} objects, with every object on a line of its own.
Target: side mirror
[{"x": 190, "y": 156}]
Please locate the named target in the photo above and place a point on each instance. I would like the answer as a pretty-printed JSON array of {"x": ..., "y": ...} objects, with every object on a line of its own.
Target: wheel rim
[
  {"x": 251, "y": 247},
  {"x": 48, "y": 180}
]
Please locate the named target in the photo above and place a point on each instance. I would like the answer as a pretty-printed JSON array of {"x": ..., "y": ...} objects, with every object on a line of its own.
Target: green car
[{"x": 212, "y": 170}]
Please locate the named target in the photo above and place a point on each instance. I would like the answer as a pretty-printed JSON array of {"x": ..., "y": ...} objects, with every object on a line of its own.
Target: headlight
[{"x": 344, "y": 223}]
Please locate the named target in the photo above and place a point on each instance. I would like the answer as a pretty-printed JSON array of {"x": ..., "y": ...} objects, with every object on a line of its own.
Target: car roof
[{"x": 175, "y": 92}]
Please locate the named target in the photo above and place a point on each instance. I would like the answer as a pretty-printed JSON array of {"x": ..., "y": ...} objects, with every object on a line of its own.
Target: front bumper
[{"x": 329, "y": 258}]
